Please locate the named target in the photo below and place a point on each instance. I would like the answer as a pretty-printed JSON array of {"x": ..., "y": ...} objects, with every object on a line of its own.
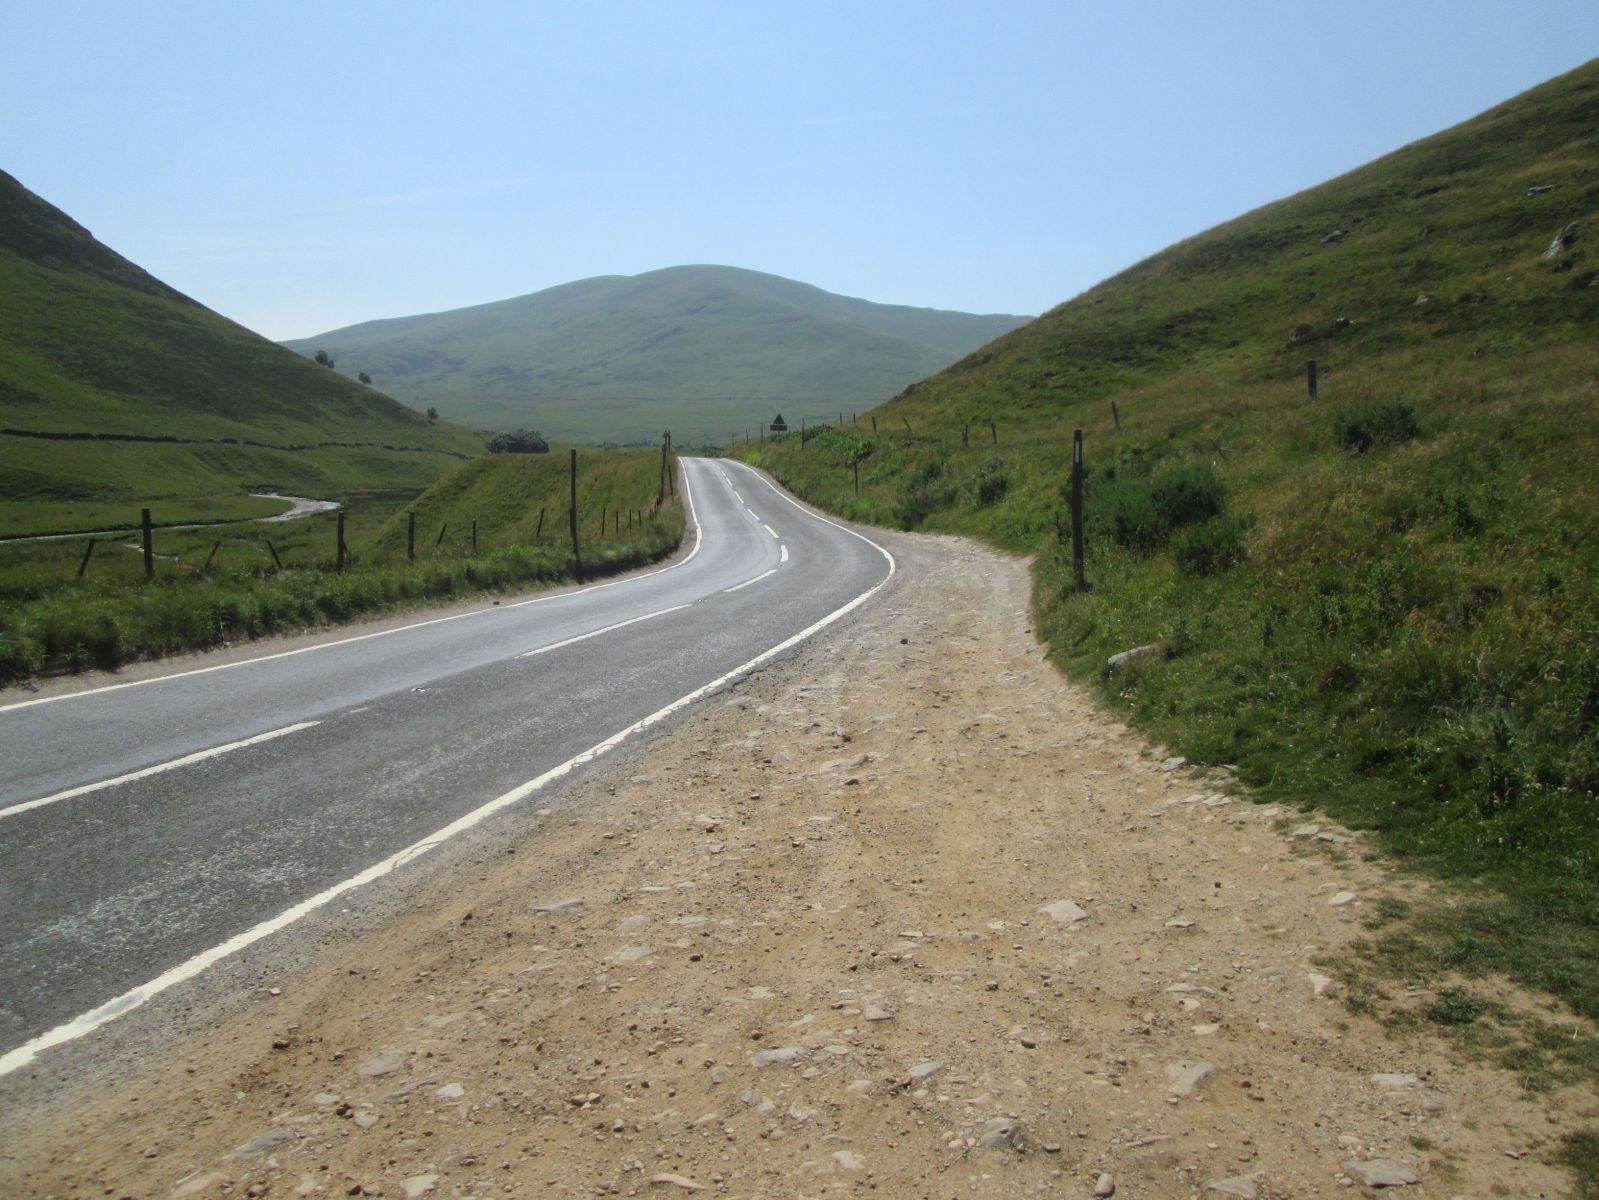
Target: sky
[{"x": 304, "y": 166}]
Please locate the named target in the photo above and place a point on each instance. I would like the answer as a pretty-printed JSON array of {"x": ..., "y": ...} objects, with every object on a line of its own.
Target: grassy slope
[
  {"x": 220, "y": 585},
  {"x": 1412, "y": 641},
  {"x": 89, "y": 342},
  {"x": 600, "y": 358}
]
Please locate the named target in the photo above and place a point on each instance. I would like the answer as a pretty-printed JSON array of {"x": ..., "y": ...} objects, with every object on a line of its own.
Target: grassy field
[
  {"x": 1383, "y": 602},
  {"x": 237, "y": 582}
]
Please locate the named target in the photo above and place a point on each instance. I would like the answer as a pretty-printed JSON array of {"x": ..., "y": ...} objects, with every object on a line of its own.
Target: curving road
[{"x": 147, "y": 829}]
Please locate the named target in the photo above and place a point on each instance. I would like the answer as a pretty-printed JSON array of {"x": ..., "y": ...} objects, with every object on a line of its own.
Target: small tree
[
  {"x": 433, "y": 413},
  {"x": 363, "y": 377},
  {"x": 519, "y": 441},
  {"x": 326, "y": 359}
]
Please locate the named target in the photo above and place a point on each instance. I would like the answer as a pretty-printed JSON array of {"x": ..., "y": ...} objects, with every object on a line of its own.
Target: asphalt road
[{"x": 364, "y": 747}]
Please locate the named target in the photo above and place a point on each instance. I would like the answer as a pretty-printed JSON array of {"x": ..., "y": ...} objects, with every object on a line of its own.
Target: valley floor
[{"x": 808, "y": 943}]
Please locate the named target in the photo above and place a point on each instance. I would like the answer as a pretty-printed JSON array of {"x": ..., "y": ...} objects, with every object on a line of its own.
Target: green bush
[
  {"x": 987, "y": 485},
  {"x": 1125, "y": 511},
  {"x": 1214, "y": 546},
  {"x": 1379, "y": 423},
  {"x": 1188, "y": 495}
]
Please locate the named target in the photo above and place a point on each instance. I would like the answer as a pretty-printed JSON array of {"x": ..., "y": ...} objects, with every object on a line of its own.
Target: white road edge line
[
  {"x": 747, "y": 582},
  {"x": 583, "y": 637},
  {"x": 88, "y": 1022},
  {"x": 691, "y": 527},
  {"x": 146, "y": 772}
]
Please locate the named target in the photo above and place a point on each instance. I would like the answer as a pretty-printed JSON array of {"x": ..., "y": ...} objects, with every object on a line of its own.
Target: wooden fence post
[
  {"x": 474, "y": 535},
  {"x": 212, "y": 555},
  {"x": 671, "y": 475},
  {"x": 1310, "y": 378},
  {"x": 1077, "y": 508},
  {"x": 147, "y": 532},
  {"x": 84, "y": 565},
  {"x": 1115, "y": 415},
  {"x": 966, "y": 436},
  {"x": 874, "y": 424},
  {"x": 539, "y": 532},
  {"x": 341, "y": 550},
  {"x": 993, "y": 432},
  {"x": 443, "y": 529},
  {"x": 577, "y": 561},
  {"x": 273, "y": 551},
  {"x": 857, "y": 466},
  {"x": 660, "y": 496},
  {"x": 410, "y": 536}
]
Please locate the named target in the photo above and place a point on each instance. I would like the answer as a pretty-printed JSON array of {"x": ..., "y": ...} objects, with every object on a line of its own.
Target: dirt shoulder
[{"x": 812, "y": 941}]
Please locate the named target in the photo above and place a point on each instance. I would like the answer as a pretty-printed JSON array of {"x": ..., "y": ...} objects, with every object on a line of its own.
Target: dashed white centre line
[
  {"x": 737, "y": 497},
  {"x": 145, "y": 773},
  {"x": 583, "y": 637},
  {"x": 784, "y": 548},
  {"x": 747, "y": 582},
  {"x": 771, "y": 531}
]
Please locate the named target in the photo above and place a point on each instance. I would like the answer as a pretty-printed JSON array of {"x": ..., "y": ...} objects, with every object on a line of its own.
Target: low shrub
[
  {"x": 1188, "y": 495},
  {"x": 1214, "y": 546},
  {"x": 1379, "y": 423}
]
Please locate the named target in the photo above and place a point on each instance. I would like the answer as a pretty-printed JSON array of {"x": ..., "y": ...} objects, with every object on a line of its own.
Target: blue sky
[{"x": 300, "y": 167}]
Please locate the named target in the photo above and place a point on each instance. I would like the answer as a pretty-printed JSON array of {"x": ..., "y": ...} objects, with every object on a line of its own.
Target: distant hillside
[
  {"x": 1382, "y": 600},
  {"x": 701, "y": 349},
  {"x": 92, "y": 344}
]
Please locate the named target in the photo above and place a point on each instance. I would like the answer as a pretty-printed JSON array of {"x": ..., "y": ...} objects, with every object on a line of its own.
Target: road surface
[{"x": 147, "y": 829}]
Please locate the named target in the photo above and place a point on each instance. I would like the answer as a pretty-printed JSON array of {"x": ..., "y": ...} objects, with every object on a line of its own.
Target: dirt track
[{"x": 797, "y": 947}]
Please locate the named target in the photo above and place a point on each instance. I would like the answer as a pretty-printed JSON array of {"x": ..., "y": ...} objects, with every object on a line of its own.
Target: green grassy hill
[
  {"x": 702, "y": 350},
  {"x": 92, "y": 344},
  {"x": 1383, "y": 601}
]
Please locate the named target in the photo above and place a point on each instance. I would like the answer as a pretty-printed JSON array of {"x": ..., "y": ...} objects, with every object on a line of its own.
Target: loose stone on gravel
[
  {"x": 382, "y": 1064},
  {"x": 1064, "y": 910},
  {"x": 1185, "y": 1077},
  {"x": 418, "y": 1186},
  {"x": 667, "y": 1179},
  {"x": 1105, "y": 1185},
  {"x": 560, "y": 906},
  {"x": 783, "y": 1054},
  {"x": 1381, "y": 1172},
  {"x": 1244, "y": 1187}
]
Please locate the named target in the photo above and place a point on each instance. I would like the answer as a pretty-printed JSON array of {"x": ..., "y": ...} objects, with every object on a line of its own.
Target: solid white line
[
  {"x": 128, "y": 1001},
  {"x": 747, "y": 582},
  {"x": 583, "y": 637},
  {"x": 197, "y": 756},
  {"x": 770, "y": 530},
  {"x": 691, "y": 529},
  {"x": 784, "y": 548}
]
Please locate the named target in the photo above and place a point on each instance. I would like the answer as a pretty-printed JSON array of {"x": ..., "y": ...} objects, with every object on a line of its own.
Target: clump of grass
[
  {"x": 1376, "y": 423},
  {"x": 1214, "y": 546},
  {"x": 1579, "y": 1153},
  {"x": 1457, "y": 1006}
]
